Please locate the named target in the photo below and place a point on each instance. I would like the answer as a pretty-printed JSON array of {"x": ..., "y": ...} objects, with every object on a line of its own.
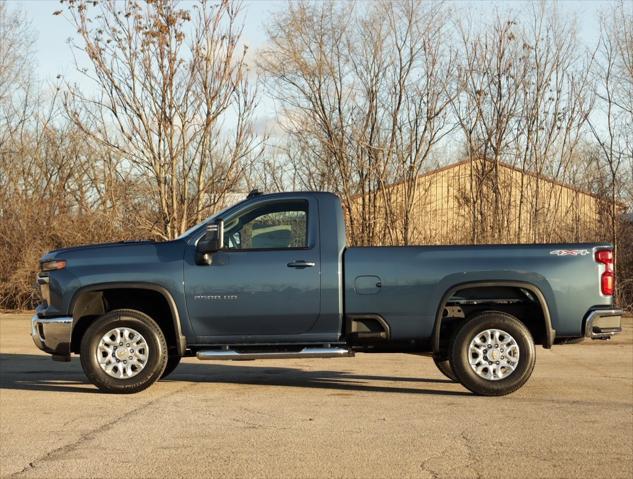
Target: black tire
[
  {"x": 459, "y": 354},
  {"x": 156, "y": 355},
  {"x": 172, "y": 364},
  {"x": 444, "y": 365}
]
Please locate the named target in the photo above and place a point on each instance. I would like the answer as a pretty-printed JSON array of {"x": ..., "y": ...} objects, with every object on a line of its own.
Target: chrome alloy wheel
[
  {"x": 122, "y": 353},
  {"x": 493, "y": 354}
]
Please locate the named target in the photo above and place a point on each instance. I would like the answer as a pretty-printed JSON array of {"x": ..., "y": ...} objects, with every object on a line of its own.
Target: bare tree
[
  {"x": 18, "y": 109},
  {"x": 612, "y": 126},
  {"x": 487, "y": 109},
  {"x": 16, "y": 74},
  {"x": 555, "y": 102},
  {"x": 523, "y": 100},
  {"x": 308, "y": 71},
  {"x": 173, "y": 99},
  {"x": 364, "y": 101}
]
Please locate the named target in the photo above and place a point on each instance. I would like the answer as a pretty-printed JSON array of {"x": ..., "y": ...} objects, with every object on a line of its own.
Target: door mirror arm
[{"x": 211, "y": 242}]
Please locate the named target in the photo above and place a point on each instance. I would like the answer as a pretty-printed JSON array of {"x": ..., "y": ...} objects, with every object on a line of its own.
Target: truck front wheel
[
  {"x": 493, "y": 354},
  {"x": 172, "y": 364},
  {"x": 124, "y": 351}
]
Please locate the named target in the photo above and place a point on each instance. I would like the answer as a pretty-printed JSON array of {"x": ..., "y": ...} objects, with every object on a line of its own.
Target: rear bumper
[
  {"x": 603, "y": 323},
  {"x": 52, "y": 335}
]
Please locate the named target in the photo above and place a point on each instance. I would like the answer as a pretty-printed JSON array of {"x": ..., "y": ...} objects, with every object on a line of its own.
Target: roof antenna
[{"x": 254, "y": 193}]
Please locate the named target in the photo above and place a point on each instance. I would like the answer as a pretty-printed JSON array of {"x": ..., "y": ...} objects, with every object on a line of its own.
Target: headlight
[{"x": 53, "y": 265}]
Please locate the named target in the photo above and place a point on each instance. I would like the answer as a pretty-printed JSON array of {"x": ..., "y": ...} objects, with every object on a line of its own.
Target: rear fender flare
[{"x": 550, "y": 332}]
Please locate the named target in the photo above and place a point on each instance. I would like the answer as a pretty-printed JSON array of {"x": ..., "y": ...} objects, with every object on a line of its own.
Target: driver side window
[{"x": 272, "y": 226}]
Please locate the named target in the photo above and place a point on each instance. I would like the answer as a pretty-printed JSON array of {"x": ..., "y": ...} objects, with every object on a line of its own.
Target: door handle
[{"x": 301, "y": 264}]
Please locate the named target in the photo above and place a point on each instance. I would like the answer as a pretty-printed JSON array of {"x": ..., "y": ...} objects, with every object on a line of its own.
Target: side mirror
[{"x": 211, "y": 242}]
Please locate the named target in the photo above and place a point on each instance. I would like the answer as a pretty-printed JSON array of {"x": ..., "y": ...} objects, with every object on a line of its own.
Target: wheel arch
[
  {"x": 84, "y": 305},
  {"x": 550, "y": 332}
]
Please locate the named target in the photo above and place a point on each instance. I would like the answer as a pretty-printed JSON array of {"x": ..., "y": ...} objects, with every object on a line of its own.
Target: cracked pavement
[{"x": 381, "y": 415}]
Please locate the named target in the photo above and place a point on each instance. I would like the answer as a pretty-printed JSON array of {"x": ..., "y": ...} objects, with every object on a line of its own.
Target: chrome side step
[{"x": 310, "y": 352}]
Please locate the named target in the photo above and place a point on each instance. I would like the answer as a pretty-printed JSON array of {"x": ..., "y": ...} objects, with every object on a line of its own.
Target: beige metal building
[{"x": 483, "y": 202}]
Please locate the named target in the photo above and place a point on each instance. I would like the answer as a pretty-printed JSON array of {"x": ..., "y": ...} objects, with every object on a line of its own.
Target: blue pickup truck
[{"x": 271, "y": 277}]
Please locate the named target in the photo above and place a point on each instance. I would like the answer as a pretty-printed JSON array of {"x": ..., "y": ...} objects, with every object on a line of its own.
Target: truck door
[{"x": 266, "y": 280}]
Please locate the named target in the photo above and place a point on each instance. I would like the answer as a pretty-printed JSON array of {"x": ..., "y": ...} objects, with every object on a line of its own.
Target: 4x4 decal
[{"x": 570, "y": 252}]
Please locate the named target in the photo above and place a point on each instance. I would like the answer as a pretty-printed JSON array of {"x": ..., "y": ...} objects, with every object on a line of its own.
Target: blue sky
[{"x": 53, "y": 55}]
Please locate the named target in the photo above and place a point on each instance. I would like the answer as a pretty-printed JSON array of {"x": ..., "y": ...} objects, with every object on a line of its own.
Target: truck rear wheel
[
  {"x": 124, "y": 351},
  {"x": 444, "y": 365},
  {"x": 493, "y": 354}
]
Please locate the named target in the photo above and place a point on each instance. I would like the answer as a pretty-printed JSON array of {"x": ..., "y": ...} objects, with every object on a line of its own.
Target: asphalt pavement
[{"x": 375, "y": 415}]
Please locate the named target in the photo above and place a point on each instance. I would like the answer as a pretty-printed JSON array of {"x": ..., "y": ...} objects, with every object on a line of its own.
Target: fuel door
[{"x": 367, "y": 284}]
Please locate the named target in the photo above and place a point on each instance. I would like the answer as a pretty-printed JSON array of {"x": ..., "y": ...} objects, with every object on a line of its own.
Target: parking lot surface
[{"x": 381, "y": 415}]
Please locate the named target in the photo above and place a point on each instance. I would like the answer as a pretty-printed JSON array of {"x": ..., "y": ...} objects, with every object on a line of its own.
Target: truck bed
[{"x": 405, "y": 285}]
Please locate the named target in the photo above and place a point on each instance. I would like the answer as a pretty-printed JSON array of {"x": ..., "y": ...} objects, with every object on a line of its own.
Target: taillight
[{"x": 607, "y": 279}]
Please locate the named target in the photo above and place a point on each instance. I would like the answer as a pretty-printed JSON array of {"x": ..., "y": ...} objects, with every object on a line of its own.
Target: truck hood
[
  {"x": 84, "y": 247},
  {"x": 99, "y": 250}
]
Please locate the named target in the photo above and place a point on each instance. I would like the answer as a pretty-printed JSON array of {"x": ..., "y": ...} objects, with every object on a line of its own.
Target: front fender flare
[{"x": 181, "y": 340}]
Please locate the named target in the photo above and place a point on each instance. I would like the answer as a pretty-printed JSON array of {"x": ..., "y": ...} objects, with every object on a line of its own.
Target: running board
[{"x": 228, "y": 354}]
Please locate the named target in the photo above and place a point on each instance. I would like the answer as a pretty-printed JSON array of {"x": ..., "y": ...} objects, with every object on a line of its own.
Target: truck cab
[{"x": 292, "y": 257}]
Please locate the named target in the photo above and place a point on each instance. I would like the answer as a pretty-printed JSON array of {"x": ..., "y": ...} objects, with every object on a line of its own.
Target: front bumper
[
  {"x": 603, "y": 323},
  {"x": 52, "y": 335}
]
